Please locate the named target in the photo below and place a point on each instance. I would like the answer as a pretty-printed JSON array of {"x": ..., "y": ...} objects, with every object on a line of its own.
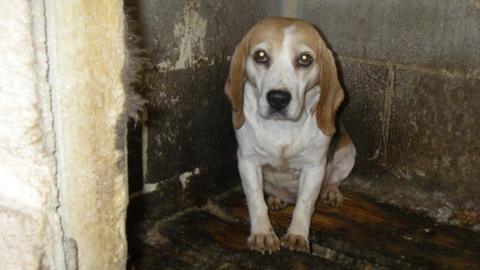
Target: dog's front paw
[
  {"x": 264, "y": 242},
  {"x": 331, "y": 195},
  {"x": 295, "y": 242}
]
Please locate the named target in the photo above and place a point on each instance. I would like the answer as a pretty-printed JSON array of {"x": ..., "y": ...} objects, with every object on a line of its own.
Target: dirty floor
[{"x": 361, "y": 234}]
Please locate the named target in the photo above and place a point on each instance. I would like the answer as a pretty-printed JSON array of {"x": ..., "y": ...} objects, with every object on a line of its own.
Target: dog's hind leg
[
  {"x": 275, "y": 203},
  {"x": 277, "y": 197},
  {"x": 338, "y": 168}
]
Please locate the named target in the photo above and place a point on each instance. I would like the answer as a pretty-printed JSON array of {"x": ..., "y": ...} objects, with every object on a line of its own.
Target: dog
[{"x": 284, "y": 91}]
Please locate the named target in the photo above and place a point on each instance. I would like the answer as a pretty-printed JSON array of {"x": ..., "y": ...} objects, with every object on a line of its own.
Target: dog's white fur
[{"x": 285, "y": 155}]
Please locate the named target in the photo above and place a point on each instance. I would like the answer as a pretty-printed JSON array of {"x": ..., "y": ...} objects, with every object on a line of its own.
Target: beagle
[{"x": 284, "y": 91}]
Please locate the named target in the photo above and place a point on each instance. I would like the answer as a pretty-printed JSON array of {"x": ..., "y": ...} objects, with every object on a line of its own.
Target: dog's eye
[
  {"x": 261, "y": 57},
  {"x": 305, "y": 60}
]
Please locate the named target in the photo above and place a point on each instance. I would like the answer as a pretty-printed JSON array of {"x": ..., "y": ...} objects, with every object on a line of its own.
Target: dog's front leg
[
  {"x": 308, "y": 190},
  {"x": 262, "y": 236}
]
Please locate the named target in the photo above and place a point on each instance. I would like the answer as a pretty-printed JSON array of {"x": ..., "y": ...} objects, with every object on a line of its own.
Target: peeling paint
[
  {"x": 184, "y": 178},
  {"x": 189, "y": 39},
  {"x": 191, "y": 34},
  {"x": 147, "y": 188}
]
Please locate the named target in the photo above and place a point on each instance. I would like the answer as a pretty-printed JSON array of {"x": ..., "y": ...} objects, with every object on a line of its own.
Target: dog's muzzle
[{"x": 278, "y": 99}]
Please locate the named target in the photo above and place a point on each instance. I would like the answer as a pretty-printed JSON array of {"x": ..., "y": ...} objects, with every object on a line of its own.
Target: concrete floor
[{"x": 362, "y": 234}]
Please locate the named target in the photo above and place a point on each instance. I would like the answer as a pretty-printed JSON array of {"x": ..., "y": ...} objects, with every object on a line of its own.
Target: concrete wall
[
  {"x": 188, "y": 44},
  {"x": 412, "y": 72}
]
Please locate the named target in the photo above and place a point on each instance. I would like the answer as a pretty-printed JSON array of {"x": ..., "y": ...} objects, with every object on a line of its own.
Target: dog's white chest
[
  {"x": 279, "y": 150},
  {"x": 283, "y": 145}
]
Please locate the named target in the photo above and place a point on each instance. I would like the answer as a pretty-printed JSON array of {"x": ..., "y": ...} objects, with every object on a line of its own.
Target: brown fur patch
[
  {"x": 234, "y": 84},
  {"x": 331, "y": 92}
]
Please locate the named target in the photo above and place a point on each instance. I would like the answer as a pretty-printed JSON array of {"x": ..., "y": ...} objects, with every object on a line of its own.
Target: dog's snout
[{"x": 278, "y": 99}]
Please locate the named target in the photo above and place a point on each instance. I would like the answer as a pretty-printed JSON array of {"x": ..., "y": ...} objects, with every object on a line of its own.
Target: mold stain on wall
[{"x": 189, "y": 41}]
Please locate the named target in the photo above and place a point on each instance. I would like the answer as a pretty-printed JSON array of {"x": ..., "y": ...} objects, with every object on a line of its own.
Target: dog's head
[{"x": 283, "y": 59}]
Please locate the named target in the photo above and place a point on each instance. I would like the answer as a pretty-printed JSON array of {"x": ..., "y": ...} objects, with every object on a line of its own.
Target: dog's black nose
[{"x": 278, "y": 99}]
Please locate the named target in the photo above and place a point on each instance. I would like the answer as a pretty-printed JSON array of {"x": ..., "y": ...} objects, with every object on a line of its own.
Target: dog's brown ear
[
  {"x": 234, "y": 84},
  {"x": 331, "y": 92}
]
